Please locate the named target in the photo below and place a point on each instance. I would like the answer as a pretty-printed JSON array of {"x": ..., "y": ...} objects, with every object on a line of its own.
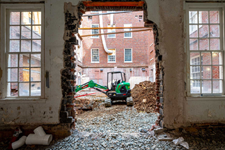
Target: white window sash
[{"x": 5, "y": 9}]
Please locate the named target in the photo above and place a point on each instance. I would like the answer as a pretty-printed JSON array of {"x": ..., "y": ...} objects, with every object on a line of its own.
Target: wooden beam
[
  {"x": 111, "y": 4},
  {"x": 115, "y": 33},
  {"x": 115, "y": 28}
]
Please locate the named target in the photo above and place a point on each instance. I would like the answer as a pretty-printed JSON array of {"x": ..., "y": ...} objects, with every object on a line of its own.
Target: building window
[
  {"x": 127, "y": 55},
  {"x": 128, "y": 34},
  {"x": 95, "y": 56},
  {"x": 205, "y": 51},
  {"x": 112, "y": 57},
  {"x": 95, "y": 31},
  {"x": 24, "y": 53},
  {"x": 111, "y": 31}
]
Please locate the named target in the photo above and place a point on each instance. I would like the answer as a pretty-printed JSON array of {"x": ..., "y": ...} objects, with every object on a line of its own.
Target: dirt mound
[{"x": 144, "y": 96}]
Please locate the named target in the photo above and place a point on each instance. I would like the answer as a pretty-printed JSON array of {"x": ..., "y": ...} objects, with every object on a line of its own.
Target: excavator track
[
  {"x": 108, "y": 102},
  {"x": 129, "y": 101}
]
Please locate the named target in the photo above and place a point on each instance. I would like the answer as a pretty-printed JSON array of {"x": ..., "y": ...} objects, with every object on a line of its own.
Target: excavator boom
[{"x": 91, "y": 84}]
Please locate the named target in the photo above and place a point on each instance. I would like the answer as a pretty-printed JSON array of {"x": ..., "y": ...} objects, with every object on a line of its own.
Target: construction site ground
[{"x": 122, "y": 127}]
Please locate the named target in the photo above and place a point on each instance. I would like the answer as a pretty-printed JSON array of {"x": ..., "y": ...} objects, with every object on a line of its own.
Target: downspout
[{"x": 103, "y": 37}]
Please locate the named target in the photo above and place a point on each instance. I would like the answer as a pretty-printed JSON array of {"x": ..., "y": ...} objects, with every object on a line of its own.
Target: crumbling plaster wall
[{"x": 169, "y": 16}]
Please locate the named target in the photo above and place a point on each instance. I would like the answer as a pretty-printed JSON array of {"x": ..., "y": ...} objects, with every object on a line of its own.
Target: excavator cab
[
  {"x": 118, "y": 88},
  {"x": 114, "y": 79}
]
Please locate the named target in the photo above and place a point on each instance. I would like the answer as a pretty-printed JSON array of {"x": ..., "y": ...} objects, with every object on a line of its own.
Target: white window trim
[
  {"x": 97, "y": 36},
  {"x": 111, "y": 34},
  {"x": 4, "y": 63},
  {"x": 127, "y": 25},
  {"x": 108, "y": 57},
  {"x": 98, "y": 56},
  {"x": 131, "y": 56},
  {"x": 199, "y": 7}
]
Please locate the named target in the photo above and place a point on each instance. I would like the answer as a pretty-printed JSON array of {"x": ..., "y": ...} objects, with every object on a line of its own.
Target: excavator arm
[{"x": 91, "y": 84}]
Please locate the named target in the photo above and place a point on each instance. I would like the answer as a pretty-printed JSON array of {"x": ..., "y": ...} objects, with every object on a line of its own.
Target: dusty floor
[{"x": 121, "y": 127}]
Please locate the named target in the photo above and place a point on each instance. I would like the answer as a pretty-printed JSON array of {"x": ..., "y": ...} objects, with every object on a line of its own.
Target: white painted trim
[
  {"x": 111, "y": 32},
  {"x": 127, "y": 25},
  {"x": 108, "y": 57},
  {"x": 98, "y": 56},
  {"x": 201, "y": 7},
  {"x": 4, "y": 46},
  {"x": 131, "y": 56}
]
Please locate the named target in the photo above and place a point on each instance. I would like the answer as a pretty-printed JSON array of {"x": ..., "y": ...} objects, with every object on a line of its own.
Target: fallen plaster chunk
[
  {"x": 164, "y": 137},
  {"x": 180, "y": 141},
  {"x": 159, "y": 130},
  {"x": 185, "y": 144}
]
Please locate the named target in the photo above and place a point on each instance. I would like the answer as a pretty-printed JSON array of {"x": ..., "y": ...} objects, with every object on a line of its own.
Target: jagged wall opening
[{"x": 73, "y": 16}]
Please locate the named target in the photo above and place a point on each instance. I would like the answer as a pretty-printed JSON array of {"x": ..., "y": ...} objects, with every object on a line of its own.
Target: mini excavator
[{"x": 117, "y": 88}]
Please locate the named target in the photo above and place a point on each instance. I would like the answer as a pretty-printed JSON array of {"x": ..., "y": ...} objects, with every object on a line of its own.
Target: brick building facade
[{"x": 139, "y": 66}]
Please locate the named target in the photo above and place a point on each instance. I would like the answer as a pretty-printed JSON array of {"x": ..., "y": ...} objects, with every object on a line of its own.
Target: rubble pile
[
  {"x": 144, "y": 96},
  {"x": 84, "y": 104}
]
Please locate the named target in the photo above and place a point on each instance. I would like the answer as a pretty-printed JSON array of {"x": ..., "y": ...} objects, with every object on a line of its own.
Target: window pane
[
  {"x": 36, "y": 45},
  {"x": 206, "y": 59},
  {"x": 195, "y": 72},
  {"x": 203, "y": 16},
  {"x": 203, "y": 44},
  {"x": 35, "y": 88},
  {"x": 25, "y": 17},
  {"x": 195, "y": 86},
  {"x": 13, "y": 60},
  {"x": 127, "y": 34},
  {"x": 217, "y": 86},
  {"x": 193, "y": 44},
  {"x": 195, "y": 58},
  {"x": 14, "y": 46},
  {"x": 217, "y": 72},
  {"x": 24, "y": 74},
  {"x": 193, "y": 30},
  {"x": 206, "y": 86},
  {"x": 206, "y": 72},
  {"x": 14, "y": 18},
  {"x": 95, "y": 31},
  {"x": 36, "y": 34},
  {"x": 26, "y": 32},
  {"x": 13, "y": 89},
  {"x": 203, "y": 31},
  {"x": 35, "y": 74},
  {"x": 95, "y": 55},
  {"x": 12, "y": 74},
  {"x": 24, "y": 60},
  {"x": 214, "y": 31},
  {"x": 214, "y": 44},
  {"x": 214, "y": 16},
  {"x": 35, "y": 60},
  {"x": 25, "y": 45},
  {"x": 36, "y": 18},
  {"x": 23, "y": 89},
  {"x": 217, "y": 58},
  {"x": 128, "y": 55},
  {"x": 14, "y": 32},
  {"x": 193, "y": 17}
]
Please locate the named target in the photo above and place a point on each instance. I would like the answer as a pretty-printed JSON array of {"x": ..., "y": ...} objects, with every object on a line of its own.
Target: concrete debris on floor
[
  {"x": 144, "y": 96},
  {"x": 123, "y": 128}
]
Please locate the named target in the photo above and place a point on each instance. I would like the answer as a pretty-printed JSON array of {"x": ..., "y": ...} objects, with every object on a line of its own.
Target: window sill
[
  {"x": 209, "y": 98},
  {"x": 22, "y": 100}
]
